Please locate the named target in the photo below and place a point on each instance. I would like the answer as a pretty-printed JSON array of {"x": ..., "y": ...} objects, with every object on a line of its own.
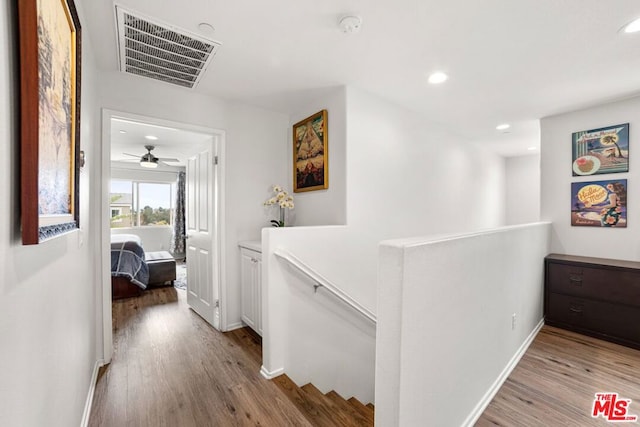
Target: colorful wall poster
[
  {"x": 599, "y": 203},
  {"x": 602, "y": 150}
]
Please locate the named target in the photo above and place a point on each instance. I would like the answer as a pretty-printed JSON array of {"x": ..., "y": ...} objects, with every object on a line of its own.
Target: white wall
[
  {"x": 522, "y": 189},
  {"x": 313, "y": 337},
  {"x": 48, "y": 327},
  {"x": 254, "y": 155},
  {"x": 153, "y": 238},
  {"x": 405, "y": 177},
  {"x": 323, "y": 207},
  {"x": 445, "y": 339},
  {"x": 557, "y": 178},
  {"x": 410, "y": 176}
]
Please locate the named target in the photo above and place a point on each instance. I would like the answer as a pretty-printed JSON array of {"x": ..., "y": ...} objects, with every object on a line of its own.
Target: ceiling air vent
[{"x": 151, "y": 49}]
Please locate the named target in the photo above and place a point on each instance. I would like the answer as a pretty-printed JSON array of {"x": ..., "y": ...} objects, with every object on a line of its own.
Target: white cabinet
[{"x": 251, "y": 288}]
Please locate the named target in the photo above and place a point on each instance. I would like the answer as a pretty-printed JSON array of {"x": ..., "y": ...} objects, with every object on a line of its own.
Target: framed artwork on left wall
[{"x": 50, "y": 48}]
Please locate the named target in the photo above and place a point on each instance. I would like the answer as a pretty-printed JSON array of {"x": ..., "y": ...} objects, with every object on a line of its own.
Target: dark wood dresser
[{"x": 594, "y": 296}]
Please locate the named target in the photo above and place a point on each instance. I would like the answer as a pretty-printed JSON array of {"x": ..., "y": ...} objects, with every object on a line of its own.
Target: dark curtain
[{"x": 179, "y": 226}]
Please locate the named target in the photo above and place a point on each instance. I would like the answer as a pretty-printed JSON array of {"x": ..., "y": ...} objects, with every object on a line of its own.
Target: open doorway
[{"x": 144, "y": 161}]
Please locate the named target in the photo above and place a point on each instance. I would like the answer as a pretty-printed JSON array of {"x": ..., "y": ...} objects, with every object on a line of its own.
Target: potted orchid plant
[{"x": 284, "y": 201}]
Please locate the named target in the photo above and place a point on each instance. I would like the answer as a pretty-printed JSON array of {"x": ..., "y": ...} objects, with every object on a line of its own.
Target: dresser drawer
[
  {"x": 617, "y": 286},
  {"x": 604, "y": 318}
]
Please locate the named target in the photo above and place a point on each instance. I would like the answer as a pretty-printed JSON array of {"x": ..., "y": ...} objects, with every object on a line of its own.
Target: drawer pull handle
[
  {"x": 575, "y": 310},
  {"x": 577, "y": 280}
]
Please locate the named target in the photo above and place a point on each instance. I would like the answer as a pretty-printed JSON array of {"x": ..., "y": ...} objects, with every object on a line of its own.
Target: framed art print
[
  {"x": 50, "y": 118},
  {"x": 600, "y": 151},
  {"x": 599, "y": 203},
  {"x": 310, "y": 155}
]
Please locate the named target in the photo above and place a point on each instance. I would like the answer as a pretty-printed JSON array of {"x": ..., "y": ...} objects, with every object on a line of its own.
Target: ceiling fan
[{"x": 148, "y": 160}]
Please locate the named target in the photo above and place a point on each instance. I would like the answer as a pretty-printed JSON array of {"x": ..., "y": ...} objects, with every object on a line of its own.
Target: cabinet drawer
[
  {"x": 614, "y": 320},
  {"x": 617, "y": 286}
]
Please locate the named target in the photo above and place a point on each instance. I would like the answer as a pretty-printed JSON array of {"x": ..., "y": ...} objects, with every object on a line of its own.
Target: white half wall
[
  {"x": 445, "y": 334},
  {"x": 557, "y": 177},
  {"x": 48, "y": 291},
  {"x": 522, "y": 189}
]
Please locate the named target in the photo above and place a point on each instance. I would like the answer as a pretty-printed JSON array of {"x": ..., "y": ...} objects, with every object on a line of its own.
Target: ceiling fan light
[{"x": 149, "y": 163}]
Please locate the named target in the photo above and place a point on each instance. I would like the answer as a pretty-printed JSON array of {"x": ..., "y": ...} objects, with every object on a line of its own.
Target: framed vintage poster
[
  {"x": 50, "y": 45},
  {"x": 310, "y": 155},
  {"x": 599, "y": 203},
  {"x": 600, "y": 151}
]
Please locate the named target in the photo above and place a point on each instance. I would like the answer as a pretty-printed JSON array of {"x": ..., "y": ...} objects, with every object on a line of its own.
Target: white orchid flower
[{"x": 281, "y": 198}]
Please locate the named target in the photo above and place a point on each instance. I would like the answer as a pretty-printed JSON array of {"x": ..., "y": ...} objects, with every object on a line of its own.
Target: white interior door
[{"x": 202, "y": 268}]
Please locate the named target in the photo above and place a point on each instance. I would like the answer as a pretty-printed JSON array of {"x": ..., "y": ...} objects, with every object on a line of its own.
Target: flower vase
[{"x": 281, "y": 216}]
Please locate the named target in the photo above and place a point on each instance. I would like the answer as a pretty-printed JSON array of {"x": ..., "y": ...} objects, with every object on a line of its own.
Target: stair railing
[{"x": 322, "y": 282}]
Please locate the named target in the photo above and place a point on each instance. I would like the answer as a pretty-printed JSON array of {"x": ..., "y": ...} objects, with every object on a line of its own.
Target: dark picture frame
[
  {"x": 310, "y": 153},
  {"x": 600, "y": 151},
  {"x": 50, "y": 69}
]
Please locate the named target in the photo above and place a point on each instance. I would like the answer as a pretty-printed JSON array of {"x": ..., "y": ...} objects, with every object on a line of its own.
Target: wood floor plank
[
  {"x": 556, "y": 380},
  {"x": 170, "y": 368},
  {"x": 313, "y": 413},
  {"x": 362, "y": 409},
  {"x": 346, "y": 407},
  {"x": 338, "y": 416}
]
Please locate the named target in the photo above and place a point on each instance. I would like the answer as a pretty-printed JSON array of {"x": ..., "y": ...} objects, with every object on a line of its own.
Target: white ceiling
[
  {"x": 511, "y": 61},
  {"x": 129, "y": 137}
]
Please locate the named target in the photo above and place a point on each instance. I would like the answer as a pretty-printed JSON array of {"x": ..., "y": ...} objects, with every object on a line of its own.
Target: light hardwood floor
[
  {"x": 170, "y": 368},
  {"x": 556, "y": 380}
]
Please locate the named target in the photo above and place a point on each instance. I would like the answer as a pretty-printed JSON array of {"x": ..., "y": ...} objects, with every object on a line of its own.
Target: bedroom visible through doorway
[{"x": 148, "y": 195}]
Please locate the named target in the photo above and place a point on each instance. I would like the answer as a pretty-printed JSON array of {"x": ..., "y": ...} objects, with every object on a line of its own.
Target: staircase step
[
  {"x": 370, "y": 406},
  {"x": 363, "y": 410},
  {"x": 319, "y": 415},
  {"x": 344, "y": 406},
  {"x": 342, "y": 416}
]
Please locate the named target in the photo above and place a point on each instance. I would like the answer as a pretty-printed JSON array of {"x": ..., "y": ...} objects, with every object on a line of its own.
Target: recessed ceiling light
[
  {"x": 531, "y": 148},
  {"x": 632, "y": 27},
  {"x": 151, "y": 137},
  {"x": 437, "y": 78},
  {"x": 503, "y": 126},
  {"x": 123, "y": 131}
]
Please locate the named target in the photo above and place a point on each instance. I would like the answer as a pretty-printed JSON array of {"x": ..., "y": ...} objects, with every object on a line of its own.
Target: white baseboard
[
  {"x": 92, "y": 389},
  {"x": 234, "y": 326},
  {"x": 495, "y": 387},
  {"x": 270, "y": 375}
]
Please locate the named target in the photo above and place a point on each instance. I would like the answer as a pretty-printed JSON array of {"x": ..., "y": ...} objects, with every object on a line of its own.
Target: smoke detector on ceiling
[
  {"x": 350, "y": 24},
  {"x": 150, "y": 48}
]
